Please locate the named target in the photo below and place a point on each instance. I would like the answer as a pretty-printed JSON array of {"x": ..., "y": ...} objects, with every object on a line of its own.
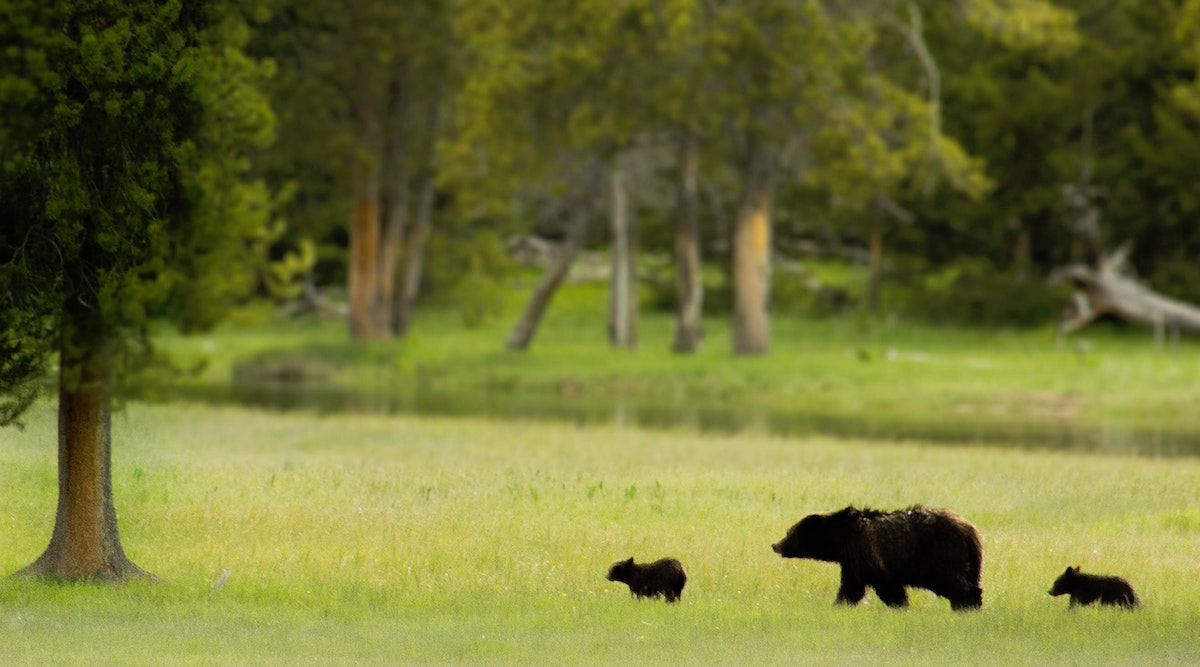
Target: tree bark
[
  {"x": 875, "y": 263},
  {"x": 397, "y": 195},
  {"x": 85, "y": 543},
  {"x": 413, "y": 265},
  {"x": 752, "y": 257},
  {"x": 622, "y": 309},
  {"x": 523, "y": 331},
  {"x": 364, "y": 228},
  {"x": 689, "y": 290},
  {"x": 414, "y": 259}
]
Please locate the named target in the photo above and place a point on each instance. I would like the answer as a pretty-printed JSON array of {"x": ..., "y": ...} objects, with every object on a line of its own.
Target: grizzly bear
[
  {"x": 663, "y": 577},
  {"x": 921, "y": 547},
  {"x": 1085, "y": 589}
]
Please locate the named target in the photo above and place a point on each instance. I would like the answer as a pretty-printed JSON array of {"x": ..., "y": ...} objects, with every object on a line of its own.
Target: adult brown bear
[{"x": 921, "y": 547}]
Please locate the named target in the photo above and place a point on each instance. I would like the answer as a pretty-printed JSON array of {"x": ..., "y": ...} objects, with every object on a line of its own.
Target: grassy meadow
[
  {"x": 361, "y": 533},
  {"x": 373, "y": 539}
]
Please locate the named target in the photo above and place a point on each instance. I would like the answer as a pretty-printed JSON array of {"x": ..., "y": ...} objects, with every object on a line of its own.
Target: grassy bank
[
  {"x": 1109, "y": 390},
  {"x": 384, "y": 540}
]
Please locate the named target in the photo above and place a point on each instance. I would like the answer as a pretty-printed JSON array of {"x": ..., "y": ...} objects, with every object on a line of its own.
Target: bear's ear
[
  {"x": 628, "y": 562},
  {"x": 1073, "y": 570}
]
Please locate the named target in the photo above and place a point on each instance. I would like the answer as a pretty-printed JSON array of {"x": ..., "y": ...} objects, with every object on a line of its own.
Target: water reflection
[{"x": 719, "y": 417}]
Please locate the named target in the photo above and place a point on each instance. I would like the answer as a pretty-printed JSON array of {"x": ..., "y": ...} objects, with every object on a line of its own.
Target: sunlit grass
[{"x": 384, "y": 540}]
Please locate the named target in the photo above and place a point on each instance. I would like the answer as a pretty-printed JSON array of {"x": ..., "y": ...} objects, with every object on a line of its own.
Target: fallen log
[{"x": 1110, "y": 288}]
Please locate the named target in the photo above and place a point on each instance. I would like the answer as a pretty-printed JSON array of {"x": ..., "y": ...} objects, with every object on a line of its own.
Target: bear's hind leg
[{"x": 964, "y": 601}]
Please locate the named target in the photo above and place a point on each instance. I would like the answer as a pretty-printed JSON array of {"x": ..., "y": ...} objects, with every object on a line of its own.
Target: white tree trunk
[{"x": 622, "y": 287}]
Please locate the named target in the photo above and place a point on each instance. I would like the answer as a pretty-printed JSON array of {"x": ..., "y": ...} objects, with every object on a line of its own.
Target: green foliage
[
  {"x": 1177, "y": 277},
  {"x": 25, "y": 342},
  {"x": 335, "y": 63},
  {"x": 800, "y": 295},
  {"x": 1030, "y": 25},
  {"x": 125, "y": 133},
  {"x": 973, "y": 292},
  {"x": 468, "y": 278}
]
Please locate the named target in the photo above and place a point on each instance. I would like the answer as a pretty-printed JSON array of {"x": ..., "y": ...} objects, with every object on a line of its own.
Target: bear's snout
[{"x": 777, "y": 547}]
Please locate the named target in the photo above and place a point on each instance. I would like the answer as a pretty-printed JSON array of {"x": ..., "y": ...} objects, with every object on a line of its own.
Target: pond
[{"x": 701, "y": 416}]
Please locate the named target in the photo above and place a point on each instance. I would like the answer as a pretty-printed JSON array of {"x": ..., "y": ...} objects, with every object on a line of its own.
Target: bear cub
[
  {"x": 918, "y": 547},
  {"x": 1085, "y": 589},
  {"x": 663, "y": 577}
]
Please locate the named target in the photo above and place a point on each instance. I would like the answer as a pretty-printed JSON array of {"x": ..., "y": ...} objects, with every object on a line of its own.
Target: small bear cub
[
  {"x": 663, "y": 577},
  {"x": 1085, "y": 589}
]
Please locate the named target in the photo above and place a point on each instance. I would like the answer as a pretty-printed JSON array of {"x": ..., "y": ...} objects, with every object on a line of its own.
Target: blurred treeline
[{"x": 948, "y": 148}]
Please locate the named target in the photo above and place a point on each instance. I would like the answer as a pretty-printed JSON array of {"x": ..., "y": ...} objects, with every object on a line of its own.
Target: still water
[{"x": 701, "y": 417}]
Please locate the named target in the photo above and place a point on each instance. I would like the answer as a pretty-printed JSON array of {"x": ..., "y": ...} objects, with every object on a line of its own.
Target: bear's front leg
[
  {"x": 852, "y": 590},
  {"x": 892, "y": 595}
]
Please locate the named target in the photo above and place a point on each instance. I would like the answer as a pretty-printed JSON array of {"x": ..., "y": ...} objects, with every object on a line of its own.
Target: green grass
[
  {"x": 391, "y": 540},
  {"x": 1109, "y": 390}
]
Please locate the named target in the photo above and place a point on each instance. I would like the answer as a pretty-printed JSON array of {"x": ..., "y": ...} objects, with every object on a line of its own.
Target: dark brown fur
[
  {"x": 663, "y": 577},
  {"x": 1085, "y": 589},
  {"x": 916, "y": 547}
]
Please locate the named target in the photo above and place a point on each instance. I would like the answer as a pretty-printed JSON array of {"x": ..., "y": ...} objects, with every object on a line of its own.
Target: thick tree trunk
[
  {"x": 85, "y": 543},
  {"x": 752, "y": 257},
  {"x": 363, "y": 269},
  {"x": 689, "y": 291},
  {"x": 364, "y": 254},
  {"x": 414, "y": 260},
  {"x": 622, "y": 291},
  {"x": 523, "y": 331}
]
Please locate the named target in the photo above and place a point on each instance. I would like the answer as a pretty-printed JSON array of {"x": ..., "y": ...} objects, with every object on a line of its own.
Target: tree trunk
[
  {"x": 85, "y": 543},
  {"x": 631, "y": 280},
  {"x": 1022, "y": 252},
  {"x": 875, "y": 263},
  {"x": 413, "y": 266},
  {"x": 363, "y": 266},
  {"x": 689, "y": 290},
  {"x": 414, "y": 259},
  {"x": 396, "y": 196},
  {"x": 523, "y": 331},
  {"x": 882, "y": 208},
  {"x": 383, "y": 315},
  {"x": 622, "y": 302},
  {"x": 752, "y": 257}
]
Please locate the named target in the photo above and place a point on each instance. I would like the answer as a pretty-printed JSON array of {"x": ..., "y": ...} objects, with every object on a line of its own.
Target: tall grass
[{"x": 387, "y": 540}]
